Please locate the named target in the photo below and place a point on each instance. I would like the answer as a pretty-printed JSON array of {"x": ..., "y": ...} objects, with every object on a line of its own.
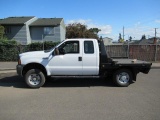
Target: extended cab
[{"x": 78, "y": 58}]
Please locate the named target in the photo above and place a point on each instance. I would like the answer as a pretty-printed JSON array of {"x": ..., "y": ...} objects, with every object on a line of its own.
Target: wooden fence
[{"x": 141, "y": 52}]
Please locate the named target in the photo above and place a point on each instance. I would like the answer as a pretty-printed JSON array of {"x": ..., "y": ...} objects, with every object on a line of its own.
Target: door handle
[
  {"x": 79, "y": 58},
  {"x": 45, "y": 58}
]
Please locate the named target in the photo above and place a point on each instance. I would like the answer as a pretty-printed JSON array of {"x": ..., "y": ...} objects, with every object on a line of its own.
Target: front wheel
[
  {"x": 122, "y": 77},
  {"x": 34, "y": 78}
]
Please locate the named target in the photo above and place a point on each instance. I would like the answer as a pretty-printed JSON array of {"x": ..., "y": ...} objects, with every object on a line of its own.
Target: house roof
[
  {"x": 15, "y": 20},
  {"x": 107, "y": 38},
  {"x": 148, "y": 41},
  {"x": 47, "y": 22}
]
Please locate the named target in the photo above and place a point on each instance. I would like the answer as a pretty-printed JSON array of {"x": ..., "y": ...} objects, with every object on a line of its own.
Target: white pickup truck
[{"x": 77, "y": 58}]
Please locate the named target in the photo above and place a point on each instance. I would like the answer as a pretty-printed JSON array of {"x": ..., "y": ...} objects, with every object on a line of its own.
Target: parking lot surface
[{"x": 80, "y": 99}]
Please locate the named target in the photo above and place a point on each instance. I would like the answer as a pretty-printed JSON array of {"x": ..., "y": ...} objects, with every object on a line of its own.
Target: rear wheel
[
  {"x": 34, "y": 78},
  {"x": 122, "y": 77}
]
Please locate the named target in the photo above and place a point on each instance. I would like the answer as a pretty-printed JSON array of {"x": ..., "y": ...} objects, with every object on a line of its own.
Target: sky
[{"x": 138, "y": 17}]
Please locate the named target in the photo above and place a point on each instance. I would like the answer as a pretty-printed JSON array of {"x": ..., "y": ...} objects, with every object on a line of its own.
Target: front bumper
[{"x": 19, "y": 69}]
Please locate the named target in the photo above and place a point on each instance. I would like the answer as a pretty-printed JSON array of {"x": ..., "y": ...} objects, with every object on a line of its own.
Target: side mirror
[{"x": 56, "y": 51}]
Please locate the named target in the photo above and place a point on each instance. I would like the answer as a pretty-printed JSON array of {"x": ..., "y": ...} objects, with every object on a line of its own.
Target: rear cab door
[{"x": 90, "y": 57}]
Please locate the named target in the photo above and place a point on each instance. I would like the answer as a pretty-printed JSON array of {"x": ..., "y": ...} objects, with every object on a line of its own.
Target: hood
[{"x": 34, "y": 54}]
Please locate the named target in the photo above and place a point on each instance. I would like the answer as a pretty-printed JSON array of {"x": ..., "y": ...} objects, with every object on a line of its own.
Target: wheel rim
[
  {"x": 123, "y": 78},
  {"x": 34, "y": 79}
]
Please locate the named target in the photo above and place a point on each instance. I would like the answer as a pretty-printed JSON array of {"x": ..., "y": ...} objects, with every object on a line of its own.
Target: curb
[
  {"x": 155, "y": 67},
  {"x": 6, "y": 69}
]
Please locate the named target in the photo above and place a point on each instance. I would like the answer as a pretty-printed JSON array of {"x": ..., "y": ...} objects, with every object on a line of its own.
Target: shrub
[{"x": 9, "y": 49}]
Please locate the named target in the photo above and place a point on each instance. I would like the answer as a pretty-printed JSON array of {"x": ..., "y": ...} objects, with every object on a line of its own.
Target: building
[
  {"x": 30, "y": 29},
  {"x": 150, "y": 41},
  {"x": 107, "y": 41}
]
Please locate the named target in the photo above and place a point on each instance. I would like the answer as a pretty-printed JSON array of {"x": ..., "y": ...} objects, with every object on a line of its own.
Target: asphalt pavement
[{"x": 80, "y": 99}]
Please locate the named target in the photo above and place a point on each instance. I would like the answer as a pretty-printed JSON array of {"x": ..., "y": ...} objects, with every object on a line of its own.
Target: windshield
[
  {"x": 49, "y": 49},
  {"x": 52, "y": 48}
]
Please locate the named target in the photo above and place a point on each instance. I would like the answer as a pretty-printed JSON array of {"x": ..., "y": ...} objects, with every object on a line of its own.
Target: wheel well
[
  {"x": 133, "y": 71},
  {"x": 34, "y": 66}
]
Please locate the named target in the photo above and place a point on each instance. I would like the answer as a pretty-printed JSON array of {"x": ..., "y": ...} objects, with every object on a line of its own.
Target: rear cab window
[{"x": 88, "y": 47}]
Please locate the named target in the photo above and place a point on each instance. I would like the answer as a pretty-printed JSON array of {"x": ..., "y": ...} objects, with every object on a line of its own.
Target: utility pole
[
  {"x": 155, "y": 41},
  {"x": 155, "y": 31},
  {"x": 123, "y": 32}
]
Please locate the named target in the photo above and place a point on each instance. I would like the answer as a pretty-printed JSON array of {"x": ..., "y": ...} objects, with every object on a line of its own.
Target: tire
[
  {"x": 35, "y": 78},
  {"x": 122, "y": 77}
]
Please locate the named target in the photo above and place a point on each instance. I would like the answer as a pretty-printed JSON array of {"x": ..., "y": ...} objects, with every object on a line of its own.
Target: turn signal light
[{"x": 19, "y": 62}]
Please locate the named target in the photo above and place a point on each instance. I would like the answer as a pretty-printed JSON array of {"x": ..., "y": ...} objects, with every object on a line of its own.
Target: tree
[
  {"x": 143, "y": 37},
  {"x": 94, "y": 30},
  {"x": 120, "y": 38},
  {"x": 1, "y": 32},
  {"x": 130, "y": 38},
  {"x": 78, "y": 30}
]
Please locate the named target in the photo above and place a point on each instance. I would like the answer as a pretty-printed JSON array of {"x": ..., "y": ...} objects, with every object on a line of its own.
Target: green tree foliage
[
  {"x": 143, "y": 37},
  {"x": 1, "y": 32},
  {"x": 78, "y": 30},
  {"x": 9, "y": 49},
  {"x": 94, "y": 30},
  {"x": 37, "y": 46},
  {"x": 130, "y": 38},
  {"x": 120, "y": 38}
]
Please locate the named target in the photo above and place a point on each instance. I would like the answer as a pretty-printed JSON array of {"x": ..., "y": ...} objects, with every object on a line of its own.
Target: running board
[{"x": 75, "y": 76}]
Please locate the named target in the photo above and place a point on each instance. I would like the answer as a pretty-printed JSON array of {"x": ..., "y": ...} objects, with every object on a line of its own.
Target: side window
[
  {"x": 48, "y": 30},
  {"x": 7, "y": 30},
  {"x": 88, "y": 47},
  {"x": 70, "y": 47}
]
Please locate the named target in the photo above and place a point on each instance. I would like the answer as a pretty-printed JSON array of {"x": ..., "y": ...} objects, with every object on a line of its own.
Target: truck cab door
[
  {"x": 90, "y": 57},
  {"x": 69, "y": 60}
]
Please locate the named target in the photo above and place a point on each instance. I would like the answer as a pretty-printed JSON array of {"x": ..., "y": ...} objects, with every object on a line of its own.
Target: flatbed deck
[{"x": 130, "y": 61}]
